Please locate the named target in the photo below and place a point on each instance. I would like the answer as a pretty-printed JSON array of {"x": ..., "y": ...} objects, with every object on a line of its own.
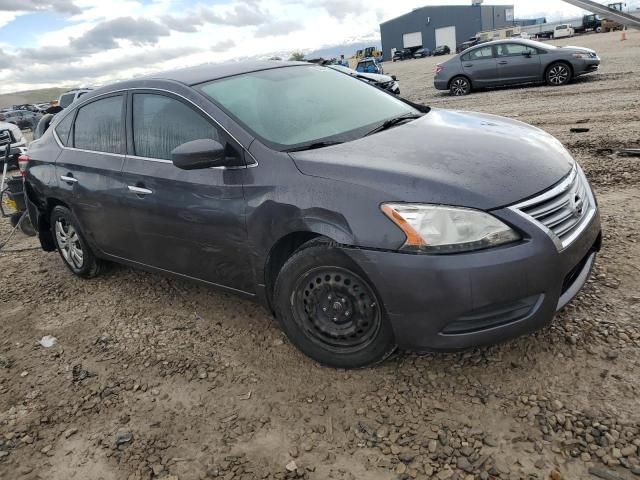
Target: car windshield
[{"x": 303, "y": 105}]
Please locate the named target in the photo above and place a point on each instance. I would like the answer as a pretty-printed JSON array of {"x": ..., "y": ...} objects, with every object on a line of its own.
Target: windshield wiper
[
  {"x": 312, "y": 146},
  {"x": 387, "y": 124}
]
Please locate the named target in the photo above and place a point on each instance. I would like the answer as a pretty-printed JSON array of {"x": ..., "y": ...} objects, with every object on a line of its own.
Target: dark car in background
[
  {"x": 473, "y": 41},
  {"x": 402, "y": 54},
  {"x": 510, "y": 62},
  {"x": 386, "y": 82},
  {"x": 23, "y": 118},
  {"x": 361, "y": 220},
  {"x": 421, "y": 53},
  {"x": 441, "y": 50}
]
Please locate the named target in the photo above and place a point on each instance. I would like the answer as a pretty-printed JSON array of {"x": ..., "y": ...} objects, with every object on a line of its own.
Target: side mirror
[{"x": 204, "y": 153}]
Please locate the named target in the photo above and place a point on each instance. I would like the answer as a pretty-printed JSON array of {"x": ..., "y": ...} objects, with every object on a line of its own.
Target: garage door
[
  {"x": 412, "y": 39},
  {"x": 446, "y": 36}
]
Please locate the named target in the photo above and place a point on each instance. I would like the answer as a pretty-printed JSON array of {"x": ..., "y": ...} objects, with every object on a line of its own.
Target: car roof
[{"x": 214, "y": 71}]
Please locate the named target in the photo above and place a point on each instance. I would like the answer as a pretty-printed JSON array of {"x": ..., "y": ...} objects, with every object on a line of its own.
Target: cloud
[
  {"x": 100, "y": 38},
  {"x": 60, "y": 6},
  {"x": 342, "y": 8},
  {"x": 279, "y": 27},
  {"x": 223, "y": 45},
  {"x": 240, "y": 14}
]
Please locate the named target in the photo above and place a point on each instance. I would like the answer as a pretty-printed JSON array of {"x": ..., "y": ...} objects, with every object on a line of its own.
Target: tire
[
  {"x": 330, "y": 311},
  {"x": 558, "y": 74},
  {"x": 460, "y": 86},
  {"x": 71, "y": 244}
]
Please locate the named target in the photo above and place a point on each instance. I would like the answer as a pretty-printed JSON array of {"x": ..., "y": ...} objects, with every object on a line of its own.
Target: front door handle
[
  {"x": 139, "y": 190},
  {"x": 468, "y": 65},
  {"x": 68, "y": 178},
  {"x": 503, "y": 62}
]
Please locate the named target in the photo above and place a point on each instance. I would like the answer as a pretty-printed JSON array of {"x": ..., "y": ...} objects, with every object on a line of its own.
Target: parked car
[
  {"x": 563, "y": 31},
  {"x": 10, "y": 137},
  {"x": 441, "y": 50},
  {"x": 509, "y": 62},
  {"x": 71, "y": 96},
  {"x": 365, "y": 222},
  {"x": 27, "y": 106},
  {"x": 386, "y": 82},
  {"x": 421, "y": 53},
  {"x": 402, "y": 54},
  {"x": 369, "y": 65},
  {"x": 468, "y": 44},
  {"x": 23, "y": 118}
]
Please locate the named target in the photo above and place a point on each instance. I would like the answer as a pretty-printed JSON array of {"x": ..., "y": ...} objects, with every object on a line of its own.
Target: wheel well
[
  {"x": 546, "y": 70},
  {"x": 280, "y": 253},
  {"x": 460, "y": 76},
  {"x": 44, "y": 226}
]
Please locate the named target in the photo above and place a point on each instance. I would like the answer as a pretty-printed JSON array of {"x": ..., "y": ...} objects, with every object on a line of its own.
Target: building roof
[
  {"x": 214, "y": 71},
  {"x": 452, "y": 7}
]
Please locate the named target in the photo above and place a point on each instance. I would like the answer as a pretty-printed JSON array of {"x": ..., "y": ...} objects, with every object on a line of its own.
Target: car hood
[
  {"x": 577, "y": 49},
  {"x": 447, "y": 157}
]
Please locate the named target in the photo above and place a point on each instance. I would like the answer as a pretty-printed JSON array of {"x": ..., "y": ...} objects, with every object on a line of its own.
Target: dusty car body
[{"x": 363, "y": 230}]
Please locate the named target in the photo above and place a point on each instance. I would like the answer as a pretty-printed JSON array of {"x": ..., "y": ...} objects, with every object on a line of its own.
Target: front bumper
[
  {"x": 452, "y": 302},
  {"x": 586, "y": 66}
]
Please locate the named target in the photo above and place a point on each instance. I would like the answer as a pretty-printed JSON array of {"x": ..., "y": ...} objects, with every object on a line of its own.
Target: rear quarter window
[{"x": 63, "y": 128}]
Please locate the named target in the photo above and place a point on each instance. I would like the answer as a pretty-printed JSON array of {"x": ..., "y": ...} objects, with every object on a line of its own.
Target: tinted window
[
  {"x": 478, "y": 54},
  {"x": 66, "y": 99},
  {"x": 98, "y": 126},
  {"x": 296, "y": 105},
  {"x": 63, "y": 128},
  {"x": 161, "y": 123},
  {"x": 515, "y": 50}
]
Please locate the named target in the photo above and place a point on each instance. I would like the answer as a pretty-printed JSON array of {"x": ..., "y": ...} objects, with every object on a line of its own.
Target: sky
[{"x": 47, "y": 43}]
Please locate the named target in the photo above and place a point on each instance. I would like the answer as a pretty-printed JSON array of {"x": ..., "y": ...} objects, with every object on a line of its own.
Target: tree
[{"x": 296, "y": 57}]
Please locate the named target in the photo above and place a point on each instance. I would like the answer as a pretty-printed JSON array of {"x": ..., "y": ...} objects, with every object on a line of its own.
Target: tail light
[
  {"x": 439, "y": 68},
  {"x": 23, "y": 162}
]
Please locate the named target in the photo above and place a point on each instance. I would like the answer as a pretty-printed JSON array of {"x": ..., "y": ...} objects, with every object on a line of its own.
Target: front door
[
  {"x": 518, "y": 63},
  {"x": 89, "y": 168},
  {"x": 480, "y": 66},
  {"x": 186, "y": 222}
]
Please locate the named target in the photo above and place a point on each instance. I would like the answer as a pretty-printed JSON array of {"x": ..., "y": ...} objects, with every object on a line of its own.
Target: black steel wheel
[
  {"x": 336, "y": 308},
  {"x": 329, "y": 309}
]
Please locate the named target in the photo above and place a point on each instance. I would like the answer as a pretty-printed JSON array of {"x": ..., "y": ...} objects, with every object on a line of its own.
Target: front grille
[{"x": 565, "y": 210}]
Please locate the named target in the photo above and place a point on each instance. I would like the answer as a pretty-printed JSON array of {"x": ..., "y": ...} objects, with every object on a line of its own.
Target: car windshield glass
[{"x": 293, "y": 106}]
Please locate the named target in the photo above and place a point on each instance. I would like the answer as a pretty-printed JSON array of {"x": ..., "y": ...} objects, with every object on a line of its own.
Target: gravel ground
[{"x": 154, "y": 377}]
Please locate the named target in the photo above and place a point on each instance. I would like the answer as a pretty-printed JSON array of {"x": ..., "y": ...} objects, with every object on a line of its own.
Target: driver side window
[{"x": 162, "y": 123}]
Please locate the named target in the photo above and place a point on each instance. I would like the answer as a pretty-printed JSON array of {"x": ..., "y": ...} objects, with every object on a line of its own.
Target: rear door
[
  {"x": 480, "y": 66},
  {"x": 88, "y": 171},
  {"x": 186, "y": 222},
  {"x": 518, "y": 63}
]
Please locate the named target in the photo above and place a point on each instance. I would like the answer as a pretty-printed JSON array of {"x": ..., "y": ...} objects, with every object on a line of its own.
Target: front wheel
[
  {"x": 558, "y": 74},
  {"x": 72, "y": 246},
  {"x": 460, "y": 86},
  {"x": 330, "y": 311}
]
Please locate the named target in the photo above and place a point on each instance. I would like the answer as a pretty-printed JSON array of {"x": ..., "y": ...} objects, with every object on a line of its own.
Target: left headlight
[{"x": 443, "y": 229}]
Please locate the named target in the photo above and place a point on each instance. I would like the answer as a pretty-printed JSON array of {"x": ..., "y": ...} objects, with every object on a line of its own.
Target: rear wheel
[
  {"x": 558, "y": 74},
  {"x": 330, "y": 311},
  {"x": 460, "y": 86},
  {"x": 71, "y": 245}
]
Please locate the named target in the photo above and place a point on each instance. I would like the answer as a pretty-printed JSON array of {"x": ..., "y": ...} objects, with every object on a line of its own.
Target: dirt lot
[{"x": 159, "y": 378}]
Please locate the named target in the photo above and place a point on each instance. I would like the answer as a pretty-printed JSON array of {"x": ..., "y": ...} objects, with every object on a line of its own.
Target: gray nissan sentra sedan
[
  {"x": 513, "y": 62},
  {"x": 363, "y": 221}
]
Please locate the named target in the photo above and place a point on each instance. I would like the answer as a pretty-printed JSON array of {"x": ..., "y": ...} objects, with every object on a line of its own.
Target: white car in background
[{"x": 562, "y": 31}]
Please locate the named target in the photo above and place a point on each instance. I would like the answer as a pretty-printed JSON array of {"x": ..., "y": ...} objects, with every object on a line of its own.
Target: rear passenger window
[
  {"x": 478, "y": 54},
  {"x": 63, "y": 128},
  {"x": 98, "y": 126},
  {"x": 161, "y": 123}
]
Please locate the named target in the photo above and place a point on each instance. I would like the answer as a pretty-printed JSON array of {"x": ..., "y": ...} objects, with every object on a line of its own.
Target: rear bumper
[
  {"x": 452, "y": 302},
  {"x": 441, "y": 84}
]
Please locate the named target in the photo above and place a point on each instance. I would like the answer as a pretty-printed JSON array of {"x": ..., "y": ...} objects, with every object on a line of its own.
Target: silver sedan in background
[{"x": 510, "y": 62}]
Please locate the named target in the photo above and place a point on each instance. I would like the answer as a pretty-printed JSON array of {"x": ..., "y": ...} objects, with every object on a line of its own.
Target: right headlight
[{"x": 443, "y": 229}]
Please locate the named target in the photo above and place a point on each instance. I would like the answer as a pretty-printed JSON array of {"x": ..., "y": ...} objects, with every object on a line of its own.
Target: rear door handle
[
  {"x": 468, "y": 65},
  {"x": 503, "y": 62},
  {"x": 139, "y": 190},
  {"x": 68, "y": 179}
]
